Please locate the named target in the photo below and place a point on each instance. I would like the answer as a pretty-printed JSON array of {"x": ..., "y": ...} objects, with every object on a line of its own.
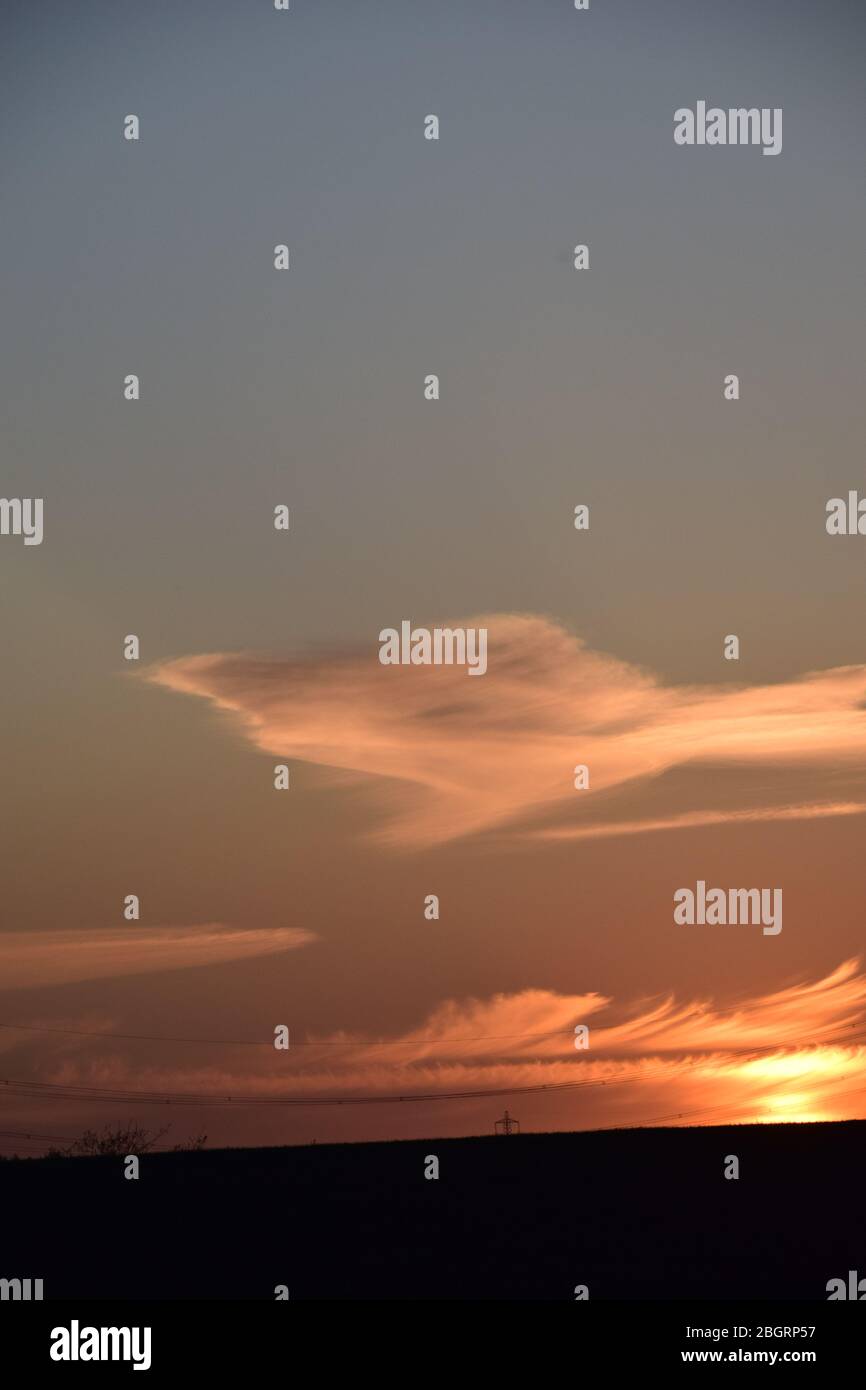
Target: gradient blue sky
[{"x": 558, "y": 387}]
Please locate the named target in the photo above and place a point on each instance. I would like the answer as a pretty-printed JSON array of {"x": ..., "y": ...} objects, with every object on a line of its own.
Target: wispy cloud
[
  {"x": 453, "y": 756},
  {"x": 41, "y": 958},
  {"x": 793, "y": 1053}
]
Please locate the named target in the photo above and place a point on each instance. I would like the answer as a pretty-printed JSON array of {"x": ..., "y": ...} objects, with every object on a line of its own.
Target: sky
[{"x": 305, "y": 388}]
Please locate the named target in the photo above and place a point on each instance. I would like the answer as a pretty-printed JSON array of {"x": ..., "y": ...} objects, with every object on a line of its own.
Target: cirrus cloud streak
[
  {"x": 795, "y": 1053},
  {"x": 451, "y": 756},
  {"x": 30, "y": 959}
]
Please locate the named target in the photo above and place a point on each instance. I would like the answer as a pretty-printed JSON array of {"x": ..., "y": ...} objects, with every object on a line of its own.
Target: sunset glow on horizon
[{"x": 303, "y": 385}]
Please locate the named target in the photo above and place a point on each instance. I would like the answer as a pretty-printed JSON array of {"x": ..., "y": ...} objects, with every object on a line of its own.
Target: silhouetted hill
[{"x": 633, "y": 1214}]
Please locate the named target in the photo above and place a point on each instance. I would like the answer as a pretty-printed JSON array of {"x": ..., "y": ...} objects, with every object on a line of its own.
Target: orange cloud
[
  {"x": 40, "y": 958},
  {"x": 795, "y": 1053},
  {"x": 457, "y": 756}
]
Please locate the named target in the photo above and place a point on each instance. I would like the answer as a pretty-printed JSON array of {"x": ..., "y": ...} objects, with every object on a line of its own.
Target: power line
[
  {"x": 30, "y": 1134},
  {"x": 385, "y": 1042},
  {"x": 126, "y": 1096},
  {"x": 268, "y": 1042},
  {"x": 54, "y": 1091}
]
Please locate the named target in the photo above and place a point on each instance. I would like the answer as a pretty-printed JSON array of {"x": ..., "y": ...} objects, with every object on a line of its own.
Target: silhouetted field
[{"x": 633, "y": 1214}]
